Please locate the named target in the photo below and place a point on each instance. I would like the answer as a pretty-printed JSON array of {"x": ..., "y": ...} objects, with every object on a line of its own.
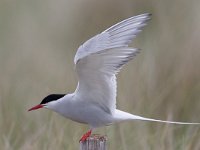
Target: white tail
[
  {"x": 121, "y": 115},
  {"x": 162, "y": 121}
]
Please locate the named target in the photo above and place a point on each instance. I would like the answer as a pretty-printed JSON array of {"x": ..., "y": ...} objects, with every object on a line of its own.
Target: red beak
[{"x": 36, "y": 107}]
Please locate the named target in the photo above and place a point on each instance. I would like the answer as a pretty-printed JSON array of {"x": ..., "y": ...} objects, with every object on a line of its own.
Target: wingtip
[
  {"x": 146, "y": 16},
  {"x": 149, "y": 15}
]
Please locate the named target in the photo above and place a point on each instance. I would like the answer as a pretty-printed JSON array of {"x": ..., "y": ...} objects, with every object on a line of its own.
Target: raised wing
[{"x": 101, "y": 57}]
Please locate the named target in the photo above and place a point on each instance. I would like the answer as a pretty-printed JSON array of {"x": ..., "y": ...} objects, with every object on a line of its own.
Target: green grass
[{"x": 38, "y": 41}]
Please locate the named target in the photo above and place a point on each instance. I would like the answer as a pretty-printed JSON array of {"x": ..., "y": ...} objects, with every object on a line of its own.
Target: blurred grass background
[{"x": 38, "y": 41}]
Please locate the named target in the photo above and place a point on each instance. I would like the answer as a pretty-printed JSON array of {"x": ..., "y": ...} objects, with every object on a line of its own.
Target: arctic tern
[{"x": 97, "y": 62}]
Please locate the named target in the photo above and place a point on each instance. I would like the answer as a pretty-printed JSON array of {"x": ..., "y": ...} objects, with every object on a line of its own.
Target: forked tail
[{"x": 121, "y": 115}]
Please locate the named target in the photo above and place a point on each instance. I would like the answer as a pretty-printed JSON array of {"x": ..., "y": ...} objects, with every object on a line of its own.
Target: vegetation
[{"x": 38, "y": 41}]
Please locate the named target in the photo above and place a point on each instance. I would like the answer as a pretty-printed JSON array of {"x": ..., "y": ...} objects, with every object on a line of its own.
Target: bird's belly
[{"x": 89, "y": 114}]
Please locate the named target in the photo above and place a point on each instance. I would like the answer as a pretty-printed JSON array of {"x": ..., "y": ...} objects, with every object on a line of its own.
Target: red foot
[{"x": 85, "y": 136}]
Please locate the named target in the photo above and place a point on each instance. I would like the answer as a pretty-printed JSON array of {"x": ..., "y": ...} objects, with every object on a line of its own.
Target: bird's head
[{"x": 47, "y": 101}]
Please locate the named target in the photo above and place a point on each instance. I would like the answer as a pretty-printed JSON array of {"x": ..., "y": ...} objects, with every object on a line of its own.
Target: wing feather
[{"x": 100, "y": 58}]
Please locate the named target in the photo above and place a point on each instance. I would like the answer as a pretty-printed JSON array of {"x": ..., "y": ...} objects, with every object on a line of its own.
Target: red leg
[{"x": 85, "y": 136}]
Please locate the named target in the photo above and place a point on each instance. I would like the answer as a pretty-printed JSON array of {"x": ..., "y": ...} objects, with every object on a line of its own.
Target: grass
[{"x": 38, "y": 41}]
